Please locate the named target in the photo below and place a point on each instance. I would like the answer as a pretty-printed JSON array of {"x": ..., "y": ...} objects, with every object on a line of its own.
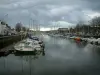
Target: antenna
[{"x": 4, "y": 17}]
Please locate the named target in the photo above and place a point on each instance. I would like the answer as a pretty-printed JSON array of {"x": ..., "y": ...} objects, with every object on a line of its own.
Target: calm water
[{"x": 62, "y": 57}]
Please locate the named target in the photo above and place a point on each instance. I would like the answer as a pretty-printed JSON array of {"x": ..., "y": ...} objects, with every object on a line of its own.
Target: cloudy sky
[{"x": 48, "y": 13}]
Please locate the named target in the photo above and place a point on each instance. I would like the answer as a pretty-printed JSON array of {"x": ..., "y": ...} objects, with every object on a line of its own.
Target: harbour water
[{"x": 60, "y": 57}]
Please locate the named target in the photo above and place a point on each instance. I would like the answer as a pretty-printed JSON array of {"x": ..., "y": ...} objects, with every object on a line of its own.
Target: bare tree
[
  {"x": 18, "y": 27},
  {"x": 95, "y": 24},
  {"x": 95, "y": 21}
]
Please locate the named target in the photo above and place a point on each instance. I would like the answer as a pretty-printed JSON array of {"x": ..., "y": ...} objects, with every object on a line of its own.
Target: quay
[{"x": 8, "y": 40}]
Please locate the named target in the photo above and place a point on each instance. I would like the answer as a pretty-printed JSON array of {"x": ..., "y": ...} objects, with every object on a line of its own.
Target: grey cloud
[{"x": 46, "y": 11}]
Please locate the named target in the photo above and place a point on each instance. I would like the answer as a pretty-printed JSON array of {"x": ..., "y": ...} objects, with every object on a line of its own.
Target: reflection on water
[
  {"x": 19, "y": 63},
  {"x": 33, "y": 54},
  {"x": 60, "y": 57}
]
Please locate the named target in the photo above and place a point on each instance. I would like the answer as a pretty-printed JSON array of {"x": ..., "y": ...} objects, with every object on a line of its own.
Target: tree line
[{"x": 92, "y": 28}]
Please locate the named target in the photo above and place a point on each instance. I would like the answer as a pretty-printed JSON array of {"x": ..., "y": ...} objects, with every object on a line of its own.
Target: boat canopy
[{"x": 34, "y": 38}]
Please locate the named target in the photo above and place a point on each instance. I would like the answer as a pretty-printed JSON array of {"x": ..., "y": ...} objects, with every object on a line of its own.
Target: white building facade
[{"x": 4, "y": 30}]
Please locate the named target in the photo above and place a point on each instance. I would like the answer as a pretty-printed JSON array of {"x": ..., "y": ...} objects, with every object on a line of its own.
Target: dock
[{"x": 9, "y": 40}]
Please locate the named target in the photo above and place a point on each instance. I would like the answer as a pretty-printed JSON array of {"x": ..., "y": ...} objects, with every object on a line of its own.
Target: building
[
  {"x": 4, "y": 28},
  {"x": 62, "y": 30}
]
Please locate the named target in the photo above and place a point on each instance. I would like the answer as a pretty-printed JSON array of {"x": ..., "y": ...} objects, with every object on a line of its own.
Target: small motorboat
[
  {"x": 72, "y": 37},
  {"x": 92, "y": 40},
  {"x": 77, "y": 39},
  {"x": 85, "y": 39},
  {"x": 36, "y": 39},
  {"x": 28, "y": 46}
]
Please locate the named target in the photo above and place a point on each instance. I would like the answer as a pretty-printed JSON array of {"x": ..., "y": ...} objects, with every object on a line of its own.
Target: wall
[{"x": 6, "y": 41}]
